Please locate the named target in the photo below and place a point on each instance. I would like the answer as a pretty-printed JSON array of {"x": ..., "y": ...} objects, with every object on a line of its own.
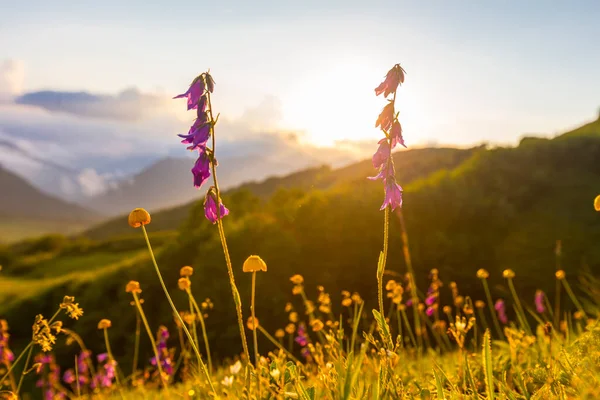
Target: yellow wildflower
[
  {"x": 133, "y": 287},
  {"x": 104, "y": 324},
  {"x": 254, "y": 264},
  {"x": 186, "y": 271},
  {"x": 138, "y": 217}
]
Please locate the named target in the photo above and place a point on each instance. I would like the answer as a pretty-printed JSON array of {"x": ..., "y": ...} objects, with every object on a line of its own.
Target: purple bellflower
[
  {"x": 193, "y": 93},
  {"x": 501, "y": 311},
  {"x": 393, "y": 78},
  {"x": 210, "y": 207},
  {"x": 201, "y": 169},
  {"x": 539, "y": 302}
]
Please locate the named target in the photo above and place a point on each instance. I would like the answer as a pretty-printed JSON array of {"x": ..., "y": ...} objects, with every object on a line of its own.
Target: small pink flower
[
  {"x": 393, "y": 78},
  {"x": 386, "y": 118}
]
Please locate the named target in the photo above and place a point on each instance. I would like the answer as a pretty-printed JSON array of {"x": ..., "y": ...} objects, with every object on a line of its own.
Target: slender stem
[
  {"x": 522, "y": 315},
  {"x": 111, "y": 357},
  {"x": 573, "y": 297},
  {"x": 24, "y": 370},
  {"x": 185, "y": 329},
  {"x": 194, "y": 330},
  {"x": 16, "y": 362},
  {"x": 253, "y": 310},
  {"x": 355, "y": 322},
  {"x": 203, "y": 326},
  {"x": 234, "y": 290},
  {"x": 409, "y": 329},
  {"x": 136, "y": 350},
  {"x": 151, "y": 337},
  {"x": 276, "y": 343},
  {"x": 386, "y": 224},
  {"x": 77, "y": 384},
  {"x": 411, "y": 275},
  {"x": 490, "y": 302}
]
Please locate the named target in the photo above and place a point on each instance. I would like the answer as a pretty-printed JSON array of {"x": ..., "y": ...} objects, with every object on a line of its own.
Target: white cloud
[{"x": 12, "y": 76}]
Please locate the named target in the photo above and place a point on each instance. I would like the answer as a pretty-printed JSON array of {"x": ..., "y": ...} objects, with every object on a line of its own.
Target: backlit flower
[
  {"x": 104, "y": 324},
  {"x": 396, "y": 135},
  {"x": 254, "y": 264},
  {"x": 138, "y": 217},
  {"x": 482, "y": 273},
  {"x": 252, "y": 323},
  {"x": 393, "y": 78},
  {"x": 508, "y": 273},
  {"x": 393, "y": 195},
  {"x": 133, "y": 287},
  {"x": 210, "y": 208},
  {"x": 386, "y": 117},
  {"x": 197, "y": 136},
  {"x": 597, "y": 203},
  {"x": 382, "y": 154},
  {"x": 186, "y": 271},
  {"x": 560, "y": 274},
  {"x": 193, "y": 93},
  {"x": 201, "y": 169},
  {"x": 297, "y": 279}
]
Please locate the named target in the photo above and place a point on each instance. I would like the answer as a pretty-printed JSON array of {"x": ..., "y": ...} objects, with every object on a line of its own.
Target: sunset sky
[{"x": 476, "y": 70}]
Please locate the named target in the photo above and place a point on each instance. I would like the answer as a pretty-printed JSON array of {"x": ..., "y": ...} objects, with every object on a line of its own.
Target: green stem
[
  {"x": 490, "y": 302},
  {"x": 24, "y": 370},
  {"x": 253, "y": 311},
  {"x": 276, "y": 343},
  {"x": 136, "y": 350},
  {"x": 16, "y": 362},
  {"x": 522, "y": 315},
  {"x": 386, "y": 224},
  {"x": 185, "y": 329},
  {"x": 573, "y": 297},
  {"x": 203, "y": 326},
  {"x": 151, "y": 337},
  {"x": 234, "y": 290},
  {"x": 409, "y": 329},
  {"x": 111, "y": 357},
  {"x": 412, "y": 281}
]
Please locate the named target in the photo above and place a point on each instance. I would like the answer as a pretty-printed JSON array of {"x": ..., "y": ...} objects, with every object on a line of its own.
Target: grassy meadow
[{"x": 481, "y": 284}]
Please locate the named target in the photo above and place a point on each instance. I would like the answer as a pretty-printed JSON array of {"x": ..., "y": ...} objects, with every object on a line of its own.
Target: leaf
[
  {"x": 384, "y": 329},
  {"x": 488, "y": 368},
  {"x": 380, "y": 267},
  {"x": 439, "y": 386}
]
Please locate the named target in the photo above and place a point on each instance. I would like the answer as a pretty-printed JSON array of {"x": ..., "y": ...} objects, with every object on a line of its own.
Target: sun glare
[{"x": 338, "y": 104}]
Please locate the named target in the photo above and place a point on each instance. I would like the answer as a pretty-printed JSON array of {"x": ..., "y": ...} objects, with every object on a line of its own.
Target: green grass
[
  {"x": 16, "y": 229},
  {"x": 51, "y": 273}
]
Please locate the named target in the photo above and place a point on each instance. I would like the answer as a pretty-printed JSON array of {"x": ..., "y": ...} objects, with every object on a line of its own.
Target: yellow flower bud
[
  {"x": 297, "y": 279},
  {"x": 447, "y": 309},
  {"x": 279, "y": 333},
  {"x": 138, "y": 217},
  {"x": 316, "y": 325},
  {"x": 508, "y": 273},
  {"x": 390, "y": 285},
  {"x": 290, "y": 328},
  {"x": 597, "y": 203},
  {"x": 560, "y": 274},
  {"x": 133, "y": 287},
  {"x": 186, "y": 271},
  {"x": 254, "y": 264},
  {"x": 104, "y": 324},
  {"x": 479, "y": 304},
  {"x": 252, "y": 323},
  {"x": 482, "y": 273},
  {"x": 184, "y": 283},
  {"x": 347, "y": 302},
  {"x": 294, "y": 316}
]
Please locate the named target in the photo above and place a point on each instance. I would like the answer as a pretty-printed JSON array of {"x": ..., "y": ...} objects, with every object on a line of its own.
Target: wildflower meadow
[{"x": 417, "y": 335}]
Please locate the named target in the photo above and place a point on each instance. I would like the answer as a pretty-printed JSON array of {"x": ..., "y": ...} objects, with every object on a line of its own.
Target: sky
[{"x": 477, "y": 71}]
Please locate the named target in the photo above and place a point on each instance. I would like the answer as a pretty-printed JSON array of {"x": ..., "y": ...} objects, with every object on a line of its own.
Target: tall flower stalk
[
  {"x": 199, "y": 98},
  {"x": 382, "y": 159}
]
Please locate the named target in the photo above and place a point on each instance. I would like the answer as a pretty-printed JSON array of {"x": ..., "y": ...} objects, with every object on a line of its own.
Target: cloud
[
  {"x": 78, "y": 144},
  {"x": 12, "y": 75},
  {"x": 128, "y": 105}
]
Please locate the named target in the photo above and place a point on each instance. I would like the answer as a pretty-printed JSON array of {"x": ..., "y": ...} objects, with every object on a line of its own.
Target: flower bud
[
  {"x": 133, "y": 287},
  {"x": 252, "y": 323},
  {"x": 104, "y": 324},
  {"x": 560, "y": 274},
  {"x": 482, "y": 273},
  {"x": 254, "y": 264},
  {"x": 184, "y": 283},
  {"x": 186, "y": 271},
  {"x": 597, "y": 203},
  {"x": 508, "y": 273},
  {"x": 138, "y": 217}
]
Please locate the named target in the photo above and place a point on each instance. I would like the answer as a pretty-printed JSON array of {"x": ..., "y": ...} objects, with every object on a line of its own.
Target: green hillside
[
  {"x": 464, "y": 210},
  {"x": 412, "y": 164}
]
